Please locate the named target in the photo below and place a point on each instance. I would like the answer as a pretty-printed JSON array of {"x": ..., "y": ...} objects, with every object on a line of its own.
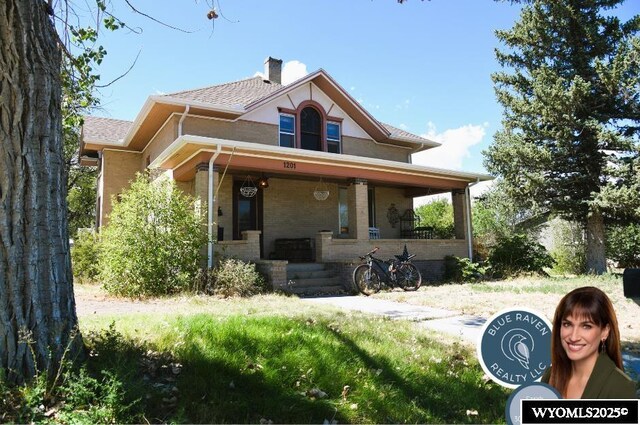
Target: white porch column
[
  {"x": 358, "y": 197},
  {"x": 201, "y": 193}
]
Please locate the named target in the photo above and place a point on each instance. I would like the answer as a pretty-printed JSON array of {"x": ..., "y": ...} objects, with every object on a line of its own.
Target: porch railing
[{"x": 330, "y": 249}]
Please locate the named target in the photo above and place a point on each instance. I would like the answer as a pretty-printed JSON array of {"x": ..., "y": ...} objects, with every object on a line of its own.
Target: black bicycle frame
[{"x": 382, "y": 268}]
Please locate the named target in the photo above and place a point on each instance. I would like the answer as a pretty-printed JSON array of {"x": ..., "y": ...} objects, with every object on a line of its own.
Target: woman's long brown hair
[{"x": 587, "y": 302}]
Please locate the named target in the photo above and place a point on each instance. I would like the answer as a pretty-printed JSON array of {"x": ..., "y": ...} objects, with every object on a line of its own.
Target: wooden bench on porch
[{"x": 296, "y": 250}]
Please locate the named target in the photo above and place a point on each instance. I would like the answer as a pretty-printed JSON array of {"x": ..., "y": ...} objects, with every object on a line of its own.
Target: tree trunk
[
  {"x": 596, "y": 260},
  {"x": 37, "y": 306}
]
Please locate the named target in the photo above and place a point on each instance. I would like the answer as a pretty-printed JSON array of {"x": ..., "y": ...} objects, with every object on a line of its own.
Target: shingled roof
[
  {"x": 104, "y": 130},
  {"x": 396, "y": 132},
  {"x": 237, "y": 94}
]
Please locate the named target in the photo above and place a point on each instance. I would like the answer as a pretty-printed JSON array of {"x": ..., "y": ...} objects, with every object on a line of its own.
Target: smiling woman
[{"x": 585, "y": 348}]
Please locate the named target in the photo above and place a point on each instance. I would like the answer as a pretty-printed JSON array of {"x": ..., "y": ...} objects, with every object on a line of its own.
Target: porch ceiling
[{"x": 184, "y": 154}]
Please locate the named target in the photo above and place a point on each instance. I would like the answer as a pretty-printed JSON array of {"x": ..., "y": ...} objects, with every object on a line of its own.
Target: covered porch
[{"x": 365, "y": 202}]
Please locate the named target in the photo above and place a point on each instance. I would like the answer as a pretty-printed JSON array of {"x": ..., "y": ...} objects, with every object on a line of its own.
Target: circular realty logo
[{"x": 515, "y": 347}]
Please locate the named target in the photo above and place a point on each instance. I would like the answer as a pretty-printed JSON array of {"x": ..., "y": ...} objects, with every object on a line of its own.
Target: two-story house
[{"x": 287, "y": 173}]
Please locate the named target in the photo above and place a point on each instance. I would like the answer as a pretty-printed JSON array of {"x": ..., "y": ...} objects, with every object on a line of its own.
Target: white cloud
[
  {"x": 455, "y": 147},
  {"x": 291, "y": 71}
]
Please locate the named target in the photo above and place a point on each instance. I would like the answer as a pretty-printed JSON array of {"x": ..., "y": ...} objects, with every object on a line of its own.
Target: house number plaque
[{"x": 289, "y": 164}]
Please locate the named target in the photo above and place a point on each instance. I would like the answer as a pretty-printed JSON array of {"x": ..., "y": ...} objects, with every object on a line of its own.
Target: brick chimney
[{"x": 273, "y": 69}]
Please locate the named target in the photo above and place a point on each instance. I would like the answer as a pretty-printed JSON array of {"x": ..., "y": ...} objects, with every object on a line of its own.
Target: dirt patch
[{"x": 91, "y": 299}]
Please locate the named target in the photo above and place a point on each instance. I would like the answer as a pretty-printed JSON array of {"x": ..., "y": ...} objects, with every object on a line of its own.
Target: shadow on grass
[
  {"x": 445, "y": 397},
  {"x": 260, "y": 369}
]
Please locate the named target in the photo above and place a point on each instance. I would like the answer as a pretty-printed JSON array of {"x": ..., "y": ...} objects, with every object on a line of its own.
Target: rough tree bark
[
  {"x": 596, "y": 255},
  {"x": 37, "y": 306}
]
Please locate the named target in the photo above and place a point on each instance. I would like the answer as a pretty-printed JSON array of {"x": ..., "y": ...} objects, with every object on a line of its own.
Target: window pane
[
  {"x": 372, "y": 207},
  {"x": 287, "y": 123},
  {"x": 310, "y": 121},
  {"x": 286, "y": 140},
  {"x": 333, "y": 147},
  {"x": 333, "y": 131},
  {"x": 311, "y": 142},
  {"x": 343, "y": 210},
  {"x": 244, "y": 215}
]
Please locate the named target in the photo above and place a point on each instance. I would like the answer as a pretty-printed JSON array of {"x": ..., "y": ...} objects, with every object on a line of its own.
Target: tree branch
[
  {"x": 125, "y": 73},
  {"x": 156, "y": 20}
]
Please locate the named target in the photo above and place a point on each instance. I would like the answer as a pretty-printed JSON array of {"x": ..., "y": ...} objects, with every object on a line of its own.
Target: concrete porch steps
[{"x": 312, "y": 279}]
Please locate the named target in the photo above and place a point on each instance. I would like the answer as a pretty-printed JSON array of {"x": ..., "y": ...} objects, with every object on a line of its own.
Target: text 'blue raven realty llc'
[{"x": 515, "y": 347}]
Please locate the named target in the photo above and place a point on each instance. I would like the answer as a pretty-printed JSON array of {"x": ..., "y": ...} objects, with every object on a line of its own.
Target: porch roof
[{"x": 186, "y": 152}]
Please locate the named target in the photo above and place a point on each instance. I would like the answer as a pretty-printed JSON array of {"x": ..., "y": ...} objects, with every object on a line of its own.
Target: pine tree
[{"x": 570, "y": 89}]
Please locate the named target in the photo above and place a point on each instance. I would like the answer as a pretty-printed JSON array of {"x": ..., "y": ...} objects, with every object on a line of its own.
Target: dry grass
[{"x": 541, "y": 294}]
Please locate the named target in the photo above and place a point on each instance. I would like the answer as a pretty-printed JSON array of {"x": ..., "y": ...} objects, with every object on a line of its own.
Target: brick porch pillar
[
  {"x": 358, "y": 200},
  {"x": 459, "y": 201}
]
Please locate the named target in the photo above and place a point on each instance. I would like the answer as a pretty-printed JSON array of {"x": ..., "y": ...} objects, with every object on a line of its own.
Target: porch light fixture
[
  {"x": 321, "y": 192},
  {"x": 263, "y": 182},
  {"x": 248, "y": 189}
]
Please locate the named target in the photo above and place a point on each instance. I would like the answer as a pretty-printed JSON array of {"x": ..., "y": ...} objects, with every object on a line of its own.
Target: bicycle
[{"x": 400, "y": 272}]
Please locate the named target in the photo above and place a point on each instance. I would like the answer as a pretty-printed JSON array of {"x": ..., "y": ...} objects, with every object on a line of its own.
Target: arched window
[{"x": 311, "y": 129}]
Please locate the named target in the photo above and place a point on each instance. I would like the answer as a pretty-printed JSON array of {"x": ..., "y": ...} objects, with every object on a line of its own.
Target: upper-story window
[
  {"x": 287, "y": 130},
  {"x": 309, "y": 127},
  {"x": 333, "y": 137}
]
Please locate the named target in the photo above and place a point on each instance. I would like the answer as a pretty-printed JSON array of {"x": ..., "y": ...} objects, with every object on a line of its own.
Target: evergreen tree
[{"x": 571, "y": 122}]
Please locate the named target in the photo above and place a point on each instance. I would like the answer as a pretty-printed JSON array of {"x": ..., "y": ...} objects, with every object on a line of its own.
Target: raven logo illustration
[{"x": 517, "y": 345}]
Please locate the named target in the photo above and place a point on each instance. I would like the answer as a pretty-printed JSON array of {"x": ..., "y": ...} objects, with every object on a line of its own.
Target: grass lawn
[
  {"x": 274, "y": 358},
  {"x": 542, "y": 294}
]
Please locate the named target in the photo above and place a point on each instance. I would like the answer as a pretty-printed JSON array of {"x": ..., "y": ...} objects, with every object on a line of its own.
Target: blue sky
[{"x": 422, "y": 66}]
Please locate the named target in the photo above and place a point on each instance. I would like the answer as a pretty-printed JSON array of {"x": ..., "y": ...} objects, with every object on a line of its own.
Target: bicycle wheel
[
  {"x": 366, "y": 280},
  {"x": 409, "y": 277}
]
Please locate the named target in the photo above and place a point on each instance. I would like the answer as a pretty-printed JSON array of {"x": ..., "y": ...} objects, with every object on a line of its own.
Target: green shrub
[
  {"x": 153, "y": 241},
  {"x": 84, "y": 256},
  {"x": 569, "y": 250},
  {"x": 437, "y": 215},
  {"x": 232, "y": 278},
  {"x": 77, "y": 398},
  {"x": 513, "y": 255},
  {"x": 623, "y": 245},
  {"x": 458, "y": 269}
]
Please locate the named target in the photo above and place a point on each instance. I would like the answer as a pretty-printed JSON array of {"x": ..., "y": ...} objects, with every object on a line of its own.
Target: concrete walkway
[{"x": 468, "y": 328}]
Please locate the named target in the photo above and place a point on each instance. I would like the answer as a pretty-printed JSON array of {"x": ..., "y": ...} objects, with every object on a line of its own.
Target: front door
[{"x": 247, "y": 212}]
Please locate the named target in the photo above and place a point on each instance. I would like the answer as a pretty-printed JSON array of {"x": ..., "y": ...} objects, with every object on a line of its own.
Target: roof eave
[
  {"x": 239, "y": 110},
  {"x": 230, "y": 144},
  {"x": 167, "y": 100}
]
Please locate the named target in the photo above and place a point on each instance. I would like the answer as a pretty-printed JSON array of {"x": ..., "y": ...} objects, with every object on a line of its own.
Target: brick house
[{"x": 287, "y": 173}]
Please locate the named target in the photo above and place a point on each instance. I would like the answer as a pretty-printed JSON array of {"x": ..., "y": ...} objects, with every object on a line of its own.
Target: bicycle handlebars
[{"x": 375, "y": 249}]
